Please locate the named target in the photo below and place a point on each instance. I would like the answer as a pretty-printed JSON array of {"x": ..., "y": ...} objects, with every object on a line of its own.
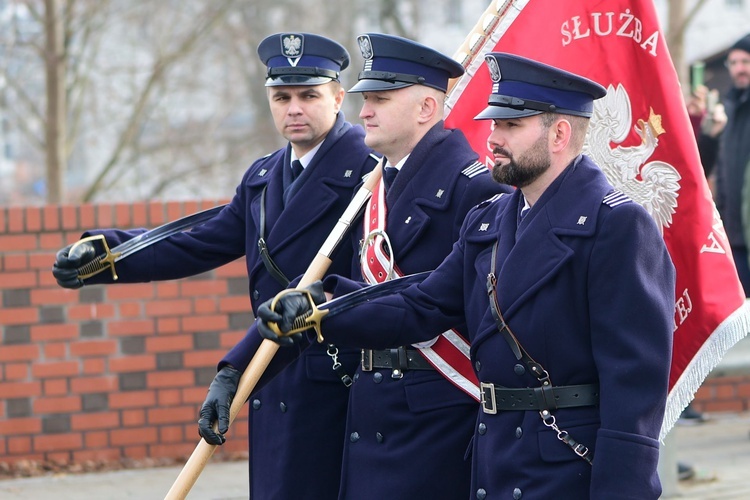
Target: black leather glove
[
  {"x": 287, "y": 309},
  {"x": 66, "y": 264},
  {"x": 217, "y": 404}
]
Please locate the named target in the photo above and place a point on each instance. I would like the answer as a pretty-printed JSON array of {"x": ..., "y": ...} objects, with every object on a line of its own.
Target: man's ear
[
  {"x": 428, "y": 108},
  {"x": 561, "y": 132}
]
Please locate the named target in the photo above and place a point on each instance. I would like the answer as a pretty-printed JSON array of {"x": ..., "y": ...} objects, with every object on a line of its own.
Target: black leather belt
[
  {"x": 399, "y": 360},
  {"x": 537, "y": 398}
]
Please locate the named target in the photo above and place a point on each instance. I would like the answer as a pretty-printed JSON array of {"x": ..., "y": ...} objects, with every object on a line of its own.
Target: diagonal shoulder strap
[{"x": 265, "y": 256}]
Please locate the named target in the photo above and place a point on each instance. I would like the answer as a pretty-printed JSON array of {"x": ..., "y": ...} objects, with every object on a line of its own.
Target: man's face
[
  {"x": 738, "y": 63},
  {"x": 520, "y": 148},
  {"x": 390, "y": 119},
  {"x": 303, "y": 114}
]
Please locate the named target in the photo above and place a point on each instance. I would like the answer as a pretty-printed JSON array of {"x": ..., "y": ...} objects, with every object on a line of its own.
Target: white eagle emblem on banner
[{"x": 655, "y": 184}]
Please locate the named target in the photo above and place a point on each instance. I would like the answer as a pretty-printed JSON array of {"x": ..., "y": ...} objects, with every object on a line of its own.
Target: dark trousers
[{"x": 740, "y": 255}]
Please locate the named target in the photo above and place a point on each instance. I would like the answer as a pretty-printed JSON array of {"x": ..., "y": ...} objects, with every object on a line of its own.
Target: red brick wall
[
  {"x": 112, "y": 372},
  {"x": 724, "y": 394}
]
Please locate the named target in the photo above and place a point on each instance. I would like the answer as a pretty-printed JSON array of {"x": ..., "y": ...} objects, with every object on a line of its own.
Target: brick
[
  {"x": 144, "y": 435},
  {"x": 129, "y": 400},
  {"x": 40, "y": 333},
  {"x": 140, "y": 218},
  {"x": 69, "y": 217},
  {"x": 168, "y": 308},
  {"x": 234, "y": 304},
  {"x": 140, "y": 327},
  {"x": 95, "y": 421},
  {"x": 122, "y": 215},
  {"x": 205, "y": 340},
  {"x": 201, "y": 288},
  {"x": 51, "y": 314},
  {"x": 724, "y": 406},
  {"x": 56, "y": 387},
  {"x": 87, "y": 216},
  {"x": 55, "y": 424},
  {"x": 133, "y": 345},
  {"x": 15, "y": 221},
  {"x": 20, "y": 389},
  {"x": 176, "y": 378},
  {"x": 169, "y": 360},
  {"x": 203, "y": 323},
  {"x": 52, "y": 242},
  {"x": 168, "y": 290},
  {"x": 172, "y": 450},
  {"x": 18, "y": 243},
  {"x": 18, "y": 407},
  {"x": 96, "y": 455},
  {"x": 174, "y": 210},
  {"x": 94, "y": 439},
  {"x": 58, "y": 442},
  {"x": 136, "y": 452},
  {"x": 20, "y": 426},
  {"x": 91, "y": 312},
  {"x": 45, "y": 279},
  {"x": 92, "y": 294},
  {"x": 230, "y": 339},
  {"x": 169, "y": 398},
  {"x": 19, "y": 445},
  {"x": 104, "y": 216},
  {"x": 94, "y": 402},
  {"x": 171, "y": 434},
  {"x": 196, "y": 395},
  {"x": 51, "y": 296},
  {"x": 138, "y": 291},
  {"x": 3, "y": 220},
  {"x": 133, "y": 418},
  {"x": 175, "y": 415},
  {"x": 132, "y": 363},
  {"x": 63, "y": 404},
  {"x": 14, "y": 298},
  {"x": 170, "y": 343},
  {"x": 15, "y": 262},
  {"x": 19, "y": 316},
  {"x": 168, "y": 325},
  {"x": 205, "y": 306},
  {"x": 23, "y": 352},
  {"x": 238, "y": 286},
  {"x": 16, "y": 371},
  {"x": 55, "y": 350},
  {"x": 93, "y": 348},
  {"x": 92, "y": 329},
  {"x": 83, "y": 385},
  {"x": 130, "y": 309},
  {"x": 195, "y": 359},
  {"x": 51, "y": 216},
  {"x": 725, "y": 391},
  {"x": 93, "y": 366},
  {"x": 156, "y": 215},
  {"x": 235, "y": 269},
  {"x": 18, "y": 334},
  {"x": 55, "y": 369},
  {"x": 132, "y": 381},
  {"x": 240, "y": 321}
]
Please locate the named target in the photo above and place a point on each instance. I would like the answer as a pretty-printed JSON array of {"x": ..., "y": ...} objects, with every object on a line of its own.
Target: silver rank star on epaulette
[
  {"x": 490, "y": 200},
  {"x": 615, "y": 198},
  {"x": 474, "y": 169}
]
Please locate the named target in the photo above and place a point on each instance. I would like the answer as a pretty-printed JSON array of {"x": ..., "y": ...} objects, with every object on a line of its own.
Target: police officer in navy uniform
[
  {"x": 568, "y": 293},
  {"x": 408, "y": 427},
  {"x": 302, "y": 413}
]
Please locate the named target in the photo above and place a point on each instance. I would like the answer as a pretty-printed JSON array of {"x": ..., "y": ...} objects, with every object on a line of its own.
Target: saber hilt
[
  {"x": 305, "y": 321},
  {"x": 99, "y": 263}
]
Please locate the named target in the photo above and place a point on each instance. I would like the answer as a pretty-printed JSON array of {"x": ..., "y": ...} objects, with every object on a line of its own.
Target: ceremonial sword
[
  {"x": 133, "y": 245},
  {"x": 312, "y": 318}
]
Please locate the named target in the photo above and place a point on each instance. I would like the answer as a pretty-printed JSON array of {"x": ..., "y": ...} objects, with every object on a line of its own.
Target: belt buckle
[
  {"x": 489, "y": 405},
  {"x": 366, "y": 360}
]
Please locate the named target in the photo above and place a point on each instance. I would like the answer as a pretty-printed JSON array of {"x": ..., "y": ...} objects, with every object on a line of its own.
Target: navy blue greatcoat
[
  {"x": 587, "y": 286},
  {"x": 302, "y": 412},
  {"x": 408, "y": 437}
]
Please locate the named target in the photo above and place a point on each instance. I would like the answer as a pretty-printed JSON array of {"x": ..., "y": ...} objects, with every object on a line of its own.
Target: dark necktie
[
  {"x": 297, "y": 169},
  {"x": 389, "y": 174}
]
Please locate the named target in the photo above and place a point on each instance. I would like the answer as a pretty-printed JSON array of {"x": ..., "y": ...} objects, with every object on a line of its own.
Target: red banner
[{"x": 641, "y": 137}]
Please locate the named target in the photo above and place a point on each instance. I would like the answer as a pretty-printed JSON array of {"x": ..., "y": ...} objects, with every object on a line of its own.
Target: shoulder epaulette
[
  {"x": 264, "y": 157},
  {"x": 488, "y": 201},
  {"x": 615, "y": 198},
  {"x": 474, "y": 169}
]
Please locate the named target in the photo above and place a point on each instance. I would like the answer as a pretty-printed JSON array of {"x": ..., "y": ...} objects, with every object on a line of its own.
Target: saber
[
  {"x": 267, "y": 349},
  {"x": 143, "y": 240},
  {"x": 312, "y": 318}
]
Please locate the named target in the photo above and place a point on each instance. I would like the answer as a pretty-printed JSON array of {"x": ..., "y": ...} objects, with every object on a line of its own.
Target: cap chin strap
[
  {"x": 389, "y": 76},
  {"x": 506, "y": 101},
  {"x": 284, "y": 71}
]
